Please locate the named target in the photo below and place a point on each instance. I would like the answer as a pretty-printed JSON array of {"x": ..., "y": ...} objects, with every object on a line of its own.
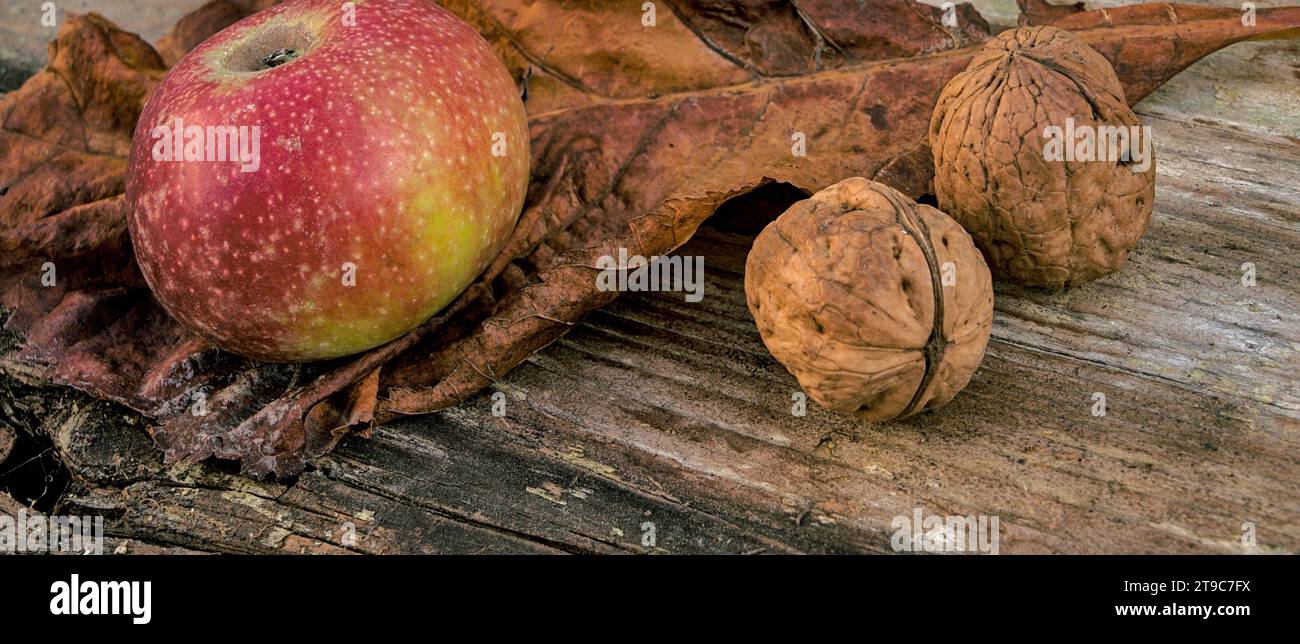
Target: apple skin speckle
[{"x": 376, "y": 196}]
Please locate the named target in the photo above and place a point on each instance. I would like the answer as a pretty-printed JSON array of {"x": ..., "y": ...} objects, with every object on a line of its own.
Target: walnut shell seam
[{"x": 935, "y": 345}]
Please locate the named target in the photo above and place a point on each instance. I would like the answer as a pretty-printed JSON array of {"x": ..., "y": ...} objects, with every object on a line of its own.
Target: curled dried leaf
[
  {"x": 879, "y": 306},
  {"x": 196, "y": 26},
  {"x": 1041, "y": 12}
]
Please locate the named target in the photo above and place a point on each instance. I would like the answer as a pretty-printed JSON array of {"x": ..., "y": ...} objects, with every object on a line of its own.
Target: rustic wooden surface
[{"x": 658, "y": 412}]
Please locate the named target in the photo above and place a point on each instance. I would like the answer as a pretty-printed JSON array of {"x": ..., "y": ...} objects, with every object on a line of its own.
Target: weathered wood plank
[
  {"x": 656, "y": 394},
  {"x": 448, "y": 487},
  {"x": 7, "y": 438},
  {"x": 1178, "y": 310},
  {"x": 1016, "y": 444},
  {"x": 10, "y": 506}
]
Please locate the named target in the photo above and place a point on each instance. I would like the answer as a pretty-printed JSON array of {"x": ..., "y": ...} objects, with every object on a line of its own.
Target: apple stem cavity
[{"x": 279, "y": 57}]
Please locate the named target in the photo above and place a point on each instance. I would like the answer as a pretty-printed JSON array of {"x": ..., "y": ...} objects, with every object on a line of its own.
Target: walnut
[
  {"x": 1040, "y": 222},
  {"x": 879, "y": 306}
]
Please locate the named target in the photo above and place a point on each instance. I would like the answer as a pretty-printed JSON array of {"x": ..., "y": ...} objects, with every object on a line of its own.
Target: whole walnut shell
[
  {"x": 879, "y": 306},
  {"x": 1039, "y": 222}
]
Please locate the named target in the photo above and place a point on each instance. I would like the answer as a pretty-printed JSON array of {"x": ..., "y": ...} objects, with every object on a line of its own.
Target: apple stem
[{"x": 279, "y": 57}]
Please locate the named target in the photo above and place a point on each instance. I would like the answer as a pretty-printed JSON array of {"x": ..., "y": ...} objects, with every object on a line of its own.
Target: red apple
[{"x": 323, "y": 176}]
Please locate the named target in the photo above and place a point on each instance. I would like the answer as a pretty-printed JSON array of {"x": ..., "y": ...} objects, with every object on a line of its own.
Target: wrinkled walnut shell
[
  {"x": 843, "y": 289},
  {"x": 1039, "y": 222}
]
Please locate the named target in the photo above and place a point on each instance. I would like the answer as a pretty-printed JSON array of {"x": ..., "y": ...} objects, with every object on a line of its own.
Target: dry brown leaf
[
  {"x": 1041, "y": 12},
  {"x": 196, "y": 26}
]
